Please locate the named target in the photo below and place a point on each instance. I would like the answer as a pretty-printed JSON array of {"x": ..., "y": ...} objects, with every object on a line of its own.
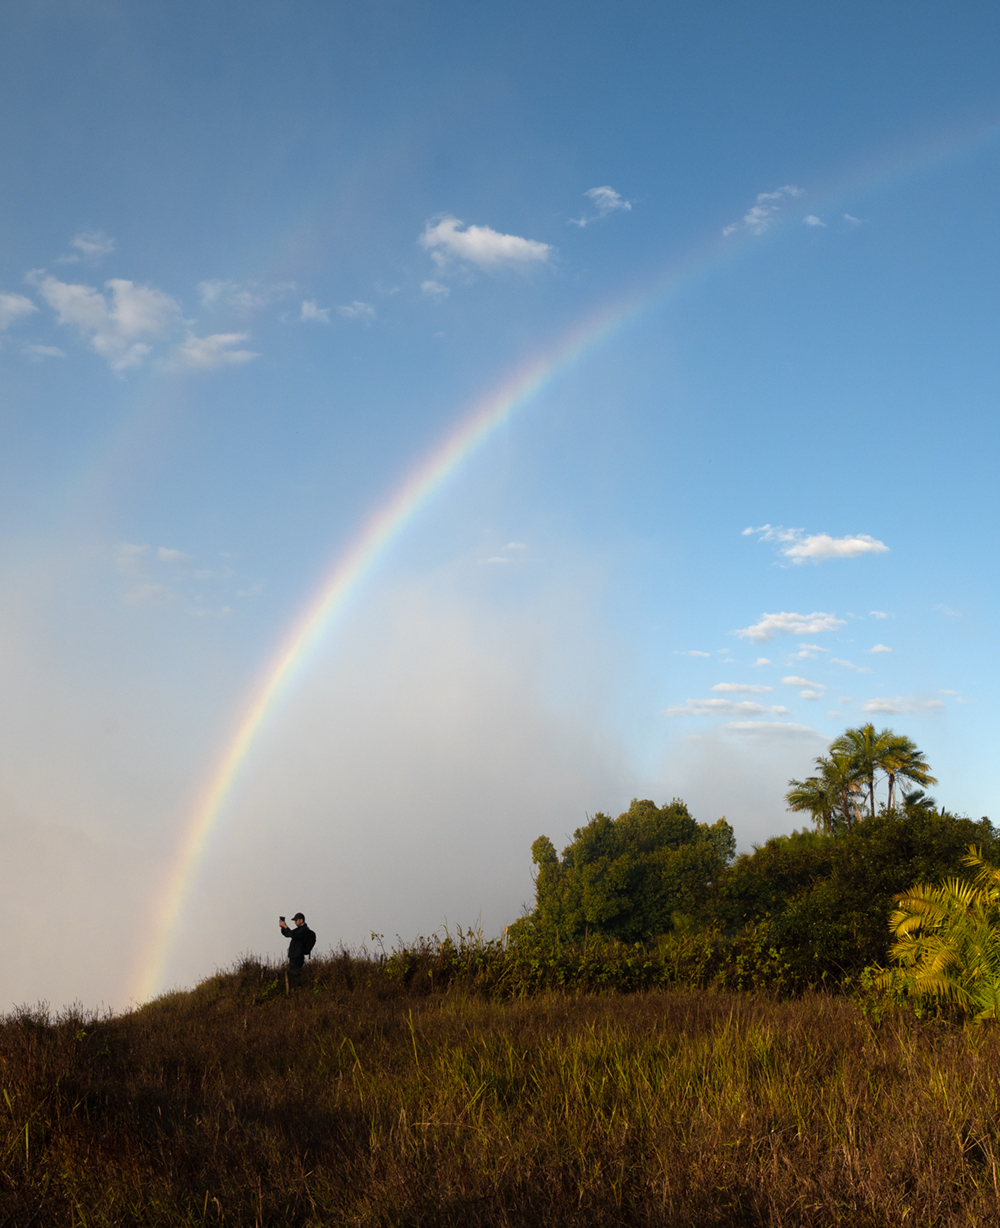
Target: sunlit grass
[{"x": 371, "y": 1096}]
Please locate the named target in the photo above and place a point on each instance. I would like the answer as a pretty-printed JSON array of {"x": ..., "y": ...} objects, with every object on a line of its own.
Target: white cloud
[
  {"x": 516, "y": 546},
  {"x": 901, "y": 704},
  {"x": 36, "y": 352},
  {"x": 795, "y": 680},
  {"x": 762, "y": 661},
  {"x": 799, "y": 547},
  {"x": 434, "y": 289},
  {"x": 812, "y": 220},
  {"x": 773, "y": 729},
  {"x": 13, "y": 307},
  {"x": 605, "y": 200},
  {"x": 853, "y": 221},
  {"x": 113, "y": 324},
  {"x": 721, "y": 707},
  {"x": 880, "y": 648},
  {"x": 242, "y": 296},
  {"x": 357, "y": 311},
  {"x": 210, "y": 353},
  {"x": 692, "y": 652},
  {"x": 311, "y": 312},
  {"x": 480, "y": 245},
  {"x": 761, "y": 216},
  {"x": 878, "y": 614},
  {"x": 857, "y": 669},
  {"x": 167, "y": 554},
  {"x": 771, "y": 625},
  {"x": 823, "y": 546},
  {"x": 90, "y": 245},
  {"x": 498, "y": 558},
  {"x": 741, "y": 687},
  {"x": 811, "y": 694},
  {"x": 807, "y": 652}
]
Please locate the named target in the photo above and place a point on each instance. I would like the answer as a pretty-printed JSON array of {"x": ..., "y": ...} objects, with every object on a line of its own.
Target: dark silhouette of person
[{"x": 303, "y": 941}]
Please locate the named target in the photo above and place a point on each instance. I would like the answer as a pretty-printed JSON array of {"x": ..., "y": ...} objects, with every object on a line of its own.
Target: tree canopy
[{"x": 626, "y": 878}]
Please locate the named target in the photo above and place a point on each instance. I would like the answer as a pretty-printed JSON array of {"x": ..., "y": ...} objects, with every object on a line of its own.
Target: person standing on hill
[{"x": 303, "y": 941}]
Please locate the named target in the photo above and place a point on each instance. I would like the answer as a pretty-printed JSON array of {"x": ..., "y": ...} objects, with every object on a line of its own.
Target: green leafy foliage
[
  {"x": 825, "y": 901},
  {"x": 627, "y": 878},
  {"x": 947, "y": 946}
]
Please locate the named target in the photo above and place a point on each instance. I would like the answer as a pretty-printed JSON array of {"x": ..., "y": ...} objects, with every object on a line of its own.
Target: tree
[
  {"x": 826, "y": 903},
  {"x": 903, "y": 762},
  {"x": 830, "y": 797},
  {"x": 627, "y": 877},
  {"x": 867, "y": 752},
  {"x": 852, "y": 765}
]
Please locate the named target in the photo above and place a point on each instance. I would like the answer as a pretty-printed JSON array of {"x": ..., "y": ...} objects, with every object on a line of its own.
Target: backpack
[{"x": 308, "y": 941}]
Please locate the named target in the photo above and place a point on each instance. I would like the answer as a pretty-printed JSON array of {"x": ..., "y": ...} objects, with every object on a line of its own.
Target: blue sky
[{"x": 258, "y": 261}]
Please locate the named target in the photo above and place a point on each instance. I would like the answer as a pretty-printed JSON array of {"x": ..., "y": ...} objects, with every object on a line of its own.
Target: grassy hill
[{"x": 412, "y": 1091}]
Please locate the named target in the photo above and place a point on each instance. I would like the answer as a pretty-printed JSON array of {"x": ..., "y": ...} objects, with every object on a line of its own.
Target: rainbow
[{"x": 474, "y": 428}]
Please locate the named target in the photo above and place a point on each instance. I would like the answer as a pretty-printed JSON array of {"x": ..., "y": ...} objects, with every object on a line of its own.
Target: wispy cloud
[
  {"x": 801, "y": 547},
  {"x": 434, "y": 289},
  {"x": 853, "y": 221},
  {"x": 811, "y": 219},
  {"x": 167, "y": 554},
  {"x": 210, "y": 353},
  {"x": 488, "y": 249},
  {"x": 605, "y": 200},
  {"x": 692, "y": 652},
  {"x": 795, "y": 680},
  {"x": 901, "y": 704},
  {"x": 878, "y": 614},
  {"x": 880, "y": 648},
  {"x": 357, "y": 310},
  {"x": 722, "y": 707},
  {"x": 38, "y": 353},
  {"x": 773, "y": 729},
  {"x": 14, "y": 307},
  {"x": 321, "y": 315},
  {"x": 741, "y": 687},
  {"x": 857, "y": 669},
  {"x": 90, "y": 245},
  {"x": 771, "y": 625},
  {"x": 243, "y": 296},
  {"x": 120, "y": 324},
  {"x": 765, "y": 212}
]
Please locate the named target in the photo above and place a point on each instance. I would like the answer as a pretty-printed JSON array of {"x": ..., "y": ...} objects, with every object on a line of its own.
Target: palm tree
[
  {"x": 905, "y": 763},
  {"x": 812, "y": 794},
  {"x": 830, "y": 796},
  {"x": 948, "y": 941},
  {"x": 868, "y": 752}
]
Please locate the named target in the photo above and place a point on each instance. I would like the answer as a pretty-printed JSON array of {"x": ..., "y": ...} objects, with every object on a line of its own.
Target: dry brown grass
[{"x": 358, "y": 1100}]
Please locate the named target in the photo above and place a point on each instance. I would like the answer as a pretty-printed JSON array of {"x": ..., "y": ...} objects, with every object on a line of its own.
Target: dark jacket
[{"x": 303, "y": 941}]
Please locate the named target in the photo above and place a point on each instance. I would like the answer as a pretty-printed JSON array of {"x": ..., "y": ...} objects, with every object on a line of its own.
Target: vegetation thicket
[{"x": 807, "y": 909}]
